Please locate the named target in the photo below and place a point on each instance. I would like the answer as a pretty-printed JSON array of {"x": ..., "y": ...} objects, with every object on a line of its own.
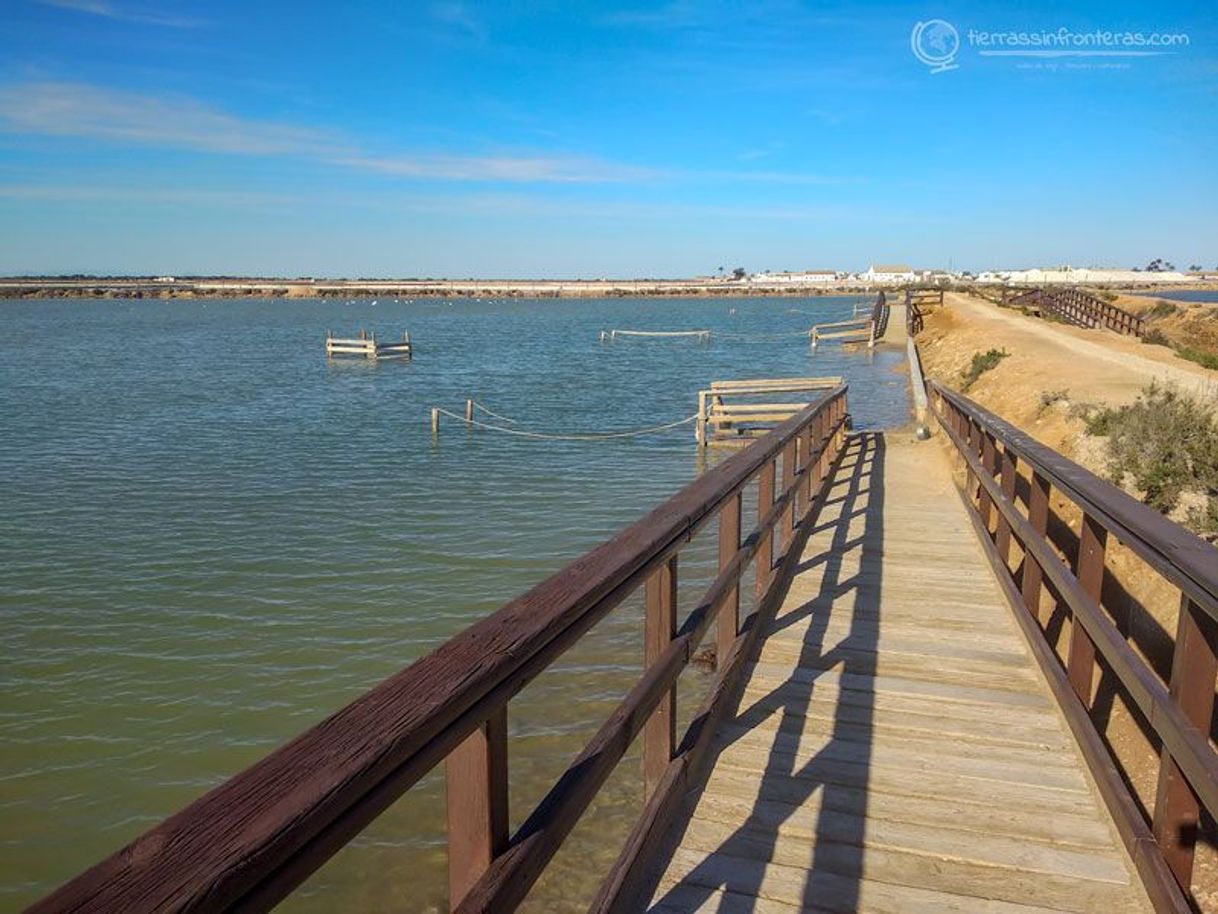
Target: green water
[{"x": 212, "y": 538}]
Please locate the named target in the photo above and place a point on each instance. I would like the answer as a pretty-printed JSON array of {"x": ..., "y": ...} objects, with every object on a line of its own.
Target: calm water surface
[
  {"x": 212, "y": 539},
  {"x": 1188, "y": 295}
]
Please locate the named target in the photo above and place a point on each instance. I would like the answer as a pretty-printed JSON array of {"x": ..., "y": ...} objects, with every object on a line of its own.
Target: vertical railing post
[
  {"x": 786, "y": 524},
  {"x": 1003, "y": 539},
  {"x": 973, "y": 485},
  {"x": 729, "y": 545},
  {"x": 1193, "y": 670},
  {"x": 989, "y": 460},
  {"x": 1080, "y": 664},
  {"x": 1038, "y": 517},
  {"x": 806, "y": 448},
  {"x": 765, "y": 545},
  {"x": 660, "y": 731},
  {"x": 476, "y": 775},
  {"x": 821, "y": 437}
]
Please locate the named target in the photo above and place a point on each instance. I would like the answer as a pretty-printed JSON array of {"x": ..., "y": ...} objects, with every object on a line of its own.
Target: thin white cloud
[
  {"x": 458, "y": 17},
  {"x": 49, "y": 108},
  {"x": 78, "y": 109},
  {"x": 536, "y": 169},
  {"x": 84, "y": 193},
  {"x": 109, "y": 11}
]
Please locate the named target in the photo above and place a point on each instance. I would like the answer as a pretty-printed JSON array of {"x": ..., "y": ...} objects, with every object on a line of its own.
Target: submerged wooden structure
[
  {"x": 728, "y": 411},
  {"x": 857, "y": 330},
  {"x": 876, "y": 736},
  {"x": 612, "y": 336},
  {"x": 366, "y": 346}
]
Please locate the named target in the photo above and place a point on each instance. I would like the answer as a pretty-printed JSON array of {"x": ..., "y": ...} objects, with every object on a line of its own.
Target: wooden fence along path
[
  {"x": 366, "y": 346},
  {"x": 857, "y": 330},
  {"x": 1074, "y": 306},
  {"x": 876, "y": 736}
]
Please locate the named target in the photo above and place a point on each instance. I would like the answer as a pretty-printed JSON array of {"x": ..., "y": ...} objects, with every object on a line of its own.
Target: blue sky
[{"x": 586, "y": 139}]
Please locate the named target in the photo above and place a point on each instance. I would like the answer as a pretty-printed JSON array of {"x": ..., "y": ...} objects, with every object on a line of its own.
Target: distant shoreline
[
  {"x": 226, "y": 287},
  {"x": 37, "y": 287}
]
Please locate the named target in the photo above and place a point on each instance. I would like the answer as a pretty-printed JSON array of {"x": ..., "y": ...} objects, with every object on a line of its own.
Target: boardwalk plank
[{"x": 895, "y": 748}]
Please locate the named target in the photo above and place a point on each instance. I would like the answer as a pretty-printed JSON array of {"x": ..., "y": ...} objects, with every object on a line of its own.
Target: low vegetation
[
  {"x": 1155, "y": 337},
  {"x": 1200, "y": 356},
  {"x": 1162, "y": 308},
  {"x": 1049, "y": 398},
  {"x": 1165, "y": 447},
  {"x": 982, "y": 362}
]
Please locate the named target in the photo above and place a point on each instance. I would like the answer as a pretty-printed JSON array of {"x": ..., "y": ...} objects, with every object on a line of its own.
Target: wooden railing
[
  {"x": 1074, "y": 306},
  {"x": 1010, "y": 481},
  {"x": 249, "y": 842},
  {"x": 857, "y": 330},
  {"x": 917, "y": 303}
]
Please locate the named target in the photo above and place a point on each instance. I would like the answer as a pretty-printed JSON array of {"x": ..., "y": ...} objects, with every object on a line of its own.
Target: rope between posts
[
  {"x": 491, "y": 412},
  {"x": 762, "y": 337},
  {"x": 593, "y": 436}
]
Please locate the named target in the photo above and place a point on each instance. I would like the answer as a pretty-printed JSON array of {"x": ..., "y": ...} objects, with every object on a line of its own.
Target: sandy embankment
[{"x": 1088, "y": 366}]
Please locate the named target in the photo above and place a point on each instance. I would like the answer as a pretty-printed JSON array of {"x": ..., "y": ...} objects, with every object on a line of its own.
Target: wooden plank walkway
[{"x": 895, "y": 748}]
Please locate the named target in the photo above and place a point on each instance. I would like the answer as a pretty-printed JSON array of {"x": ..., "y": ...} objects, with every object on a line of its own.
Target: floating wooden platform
[
  {"x": 896, "y": 748},
  {"x": 366, "y": 346},
  {"x": 740, "y": 421}
]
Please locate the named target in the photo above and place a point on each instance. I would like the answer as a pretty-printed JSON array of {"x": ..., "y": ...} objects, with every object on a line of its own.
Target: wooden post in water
[
  {"x": 469, "y": 410},
  {"x": 435, "y": 421}
]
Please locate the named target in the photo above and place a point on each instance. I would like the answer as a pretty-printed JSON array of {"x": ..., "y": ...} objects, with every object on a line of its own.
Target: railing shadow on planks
[
  {"x": 858, "y": 330},
  {"x": 252, "y": 840},
  {"x": 1009, "y": 482}
]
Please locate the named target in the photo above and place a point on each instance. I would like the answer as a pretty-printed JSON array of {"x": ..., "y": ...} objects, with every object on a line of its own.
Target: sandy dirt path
[{"x": 1093, "y": 364}]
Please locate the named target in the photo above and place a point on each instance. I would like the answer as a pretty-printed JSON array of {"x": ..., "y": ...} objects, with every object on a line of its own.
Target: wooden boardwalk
[{"x": 895, "y": 748}]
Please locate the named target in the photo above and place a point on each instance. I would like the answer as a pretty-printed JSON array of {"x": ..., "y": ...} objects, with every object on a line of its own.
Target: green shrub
[
  {"x": 1049, "y": 397},
  {"x": 1202, "y": 358},
  {"x": 1163, "y": 308},
  {"x": 1155, "y": 338},
  {"x": 982, "y": 362},
  {"x": 1098, "y": 420},
  {"x": 1165, "y": 444}
]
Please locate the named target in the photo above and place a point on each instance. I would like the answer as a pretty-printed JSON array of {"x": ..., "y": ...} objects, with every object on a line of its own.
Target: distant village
[
  {"x": 737, "y": 282},
  {"x": 904, "y": 275}
]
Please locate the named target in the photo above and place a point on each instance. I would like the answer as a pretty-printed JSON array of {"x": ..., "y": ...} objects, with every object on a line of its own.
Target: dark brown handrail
[
  {"x": 915, "y": 317},
  {"x": 249, "y": 842},
  {"x": 1178, "y": 712}
]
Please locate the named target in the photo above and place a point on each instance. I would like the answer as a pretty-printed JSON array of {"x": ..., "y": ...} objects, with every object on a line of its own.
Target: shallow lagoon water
[{"x": 213, "y": 538}]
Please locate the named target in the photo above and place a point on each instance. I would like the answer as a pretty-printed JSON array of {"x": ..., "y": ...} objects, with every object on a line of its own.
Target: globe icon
[{"x": 935, "y": 43}]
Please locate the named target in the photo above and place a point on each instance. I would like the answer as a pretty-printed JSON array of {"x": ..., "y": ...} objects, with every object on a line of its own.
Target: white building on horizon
[
  {"x": 888, "y": 273},
  {"x": 798, "y": 277},
  {"x": 1089, "y": 276}
]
